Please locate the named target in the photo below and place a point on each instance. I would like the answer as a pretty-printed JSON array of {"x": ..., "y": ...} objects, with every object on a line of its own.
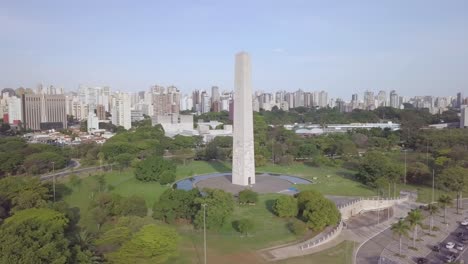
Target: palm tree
[
  {"x": 415, "y": 219},
  {"x": 400, "y": 229},
  {"x": 444, "y": 201},
  {"x": 84, "y": 239},
  {"x": 433, "y": 209}
]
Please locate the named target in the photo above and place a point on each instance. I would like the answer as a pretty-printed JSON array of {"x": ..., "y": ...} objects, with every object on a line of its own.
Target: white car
[
  {"x": 464, "y": 222},
  {"x": 450, "y": 245},
  {"x": 460, "y": 247}
]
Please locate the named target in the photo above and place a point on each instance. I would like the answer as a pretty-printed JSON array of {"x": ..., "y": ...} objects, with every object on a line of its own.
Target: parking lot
[{"x": 440, "y": 257}]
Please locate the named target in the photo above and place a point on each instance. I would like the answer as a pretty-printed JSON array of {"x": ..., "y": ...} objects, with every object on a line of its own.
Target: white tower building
[{"x": 243, "y": 162}]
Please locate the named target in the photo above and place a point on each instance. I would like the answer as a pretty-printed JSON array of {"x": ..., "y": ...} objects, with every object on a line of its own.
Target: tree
[
  {"x": 375, "y": 165},
  {"x": 285, "y": 206},
  {"x": 444, "y": 201},
  {"x": 260, "y": 161},
  {"x": 133, "y": 205},
  {"x": 113, "y": 238},
  {"x": 454, "y": 179},
  {"x": 415, "y": 219},
  {"x": 219, "y": 206},
  {"x": 317, "y": 211},
  {"x": 124, "y": 160},
  {"x": 152, "y": 244},
  {"x": 321, "y": 213},
  {"x": 34, "y": 235},
  {"x": 19, "y": 193},
  {"x": 75, "y": 181},
  {"x": 418, "y": 173},
  {"x": 245, "y": 226},
  {"x": 248, "y": 196},
  {"x": 156, "y": 169},
  {"x": 400, "y": 229},
  {"x": 101, "y": 181},
  {"x": 433, "y": 209},
  {"x": 176, "y": 204},
  {"x": 42, "y": 162}
]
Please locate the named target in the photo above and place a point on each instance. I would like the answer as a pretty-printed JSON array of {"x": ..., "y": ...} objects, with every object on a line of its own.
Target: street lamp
[
  {"x": 53, "y": 178},
  {"x": 405, "y": 150},
  {"x": 204, "y": 229}
]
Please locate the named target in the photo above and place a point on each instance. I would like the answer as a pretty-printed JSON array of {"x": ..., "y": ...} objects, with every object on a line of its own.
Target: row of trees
[{"x": 17, "y": 157}]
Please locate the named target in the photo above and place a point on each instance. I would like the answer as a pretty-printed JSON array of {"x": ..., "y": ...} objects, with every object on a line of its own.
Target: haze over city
[{"x": 414, "y": 47}]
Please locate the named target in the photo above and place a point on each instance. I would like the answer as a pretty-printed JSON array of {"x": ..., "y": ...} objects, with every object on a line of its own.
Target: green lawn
[
  {"x": 269, "y": 231},
  {"x": 327, "y": 180},
  {"x": 123, "y": 183},
  {"x": 332, "y": 181},
  {"x": 201, "y": 167},
  {"x": 341, "y": 254}
]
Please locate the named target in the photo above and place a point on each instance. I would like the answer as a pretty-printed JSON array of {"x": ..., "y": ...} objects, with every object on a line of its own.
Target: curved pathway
[{"x": 376, "y": 238}]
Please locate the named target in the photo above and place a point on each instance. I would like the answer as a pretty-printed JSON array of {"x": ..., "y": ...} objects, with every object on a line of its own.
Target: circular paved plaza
[{"x": 264, "y": 184}]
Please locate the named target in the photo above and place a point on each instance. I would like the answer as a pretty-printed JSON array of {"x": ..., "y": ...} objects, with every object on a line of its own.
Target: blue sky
[{"x": 416, "y": 47}]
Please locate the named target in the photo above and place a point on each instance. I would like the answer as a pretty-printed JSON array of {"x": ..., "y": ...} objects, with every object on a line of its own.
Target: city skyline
[{"x": 415, "y": 48}]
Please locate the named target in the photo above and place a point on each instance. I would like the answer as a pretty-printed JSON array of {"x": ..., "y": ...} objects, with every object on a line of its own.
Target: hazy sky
[{"x": 415, "y": 47}]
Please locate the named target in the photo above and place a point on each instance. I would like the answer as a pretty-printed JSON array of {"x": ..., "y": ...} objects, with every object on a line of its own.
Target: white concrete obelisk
[{"x": 243, "y": 161}]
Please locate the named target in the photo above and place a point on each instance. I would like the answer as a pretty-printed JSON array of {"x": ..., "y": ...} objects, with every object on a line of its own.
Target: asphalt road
[{"x": 369, "y": 252}]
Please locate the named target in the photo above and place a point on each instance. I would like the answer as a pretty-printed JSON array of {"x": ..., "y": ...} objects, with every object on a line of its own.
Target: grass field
[{"x": 227, "y": 245}]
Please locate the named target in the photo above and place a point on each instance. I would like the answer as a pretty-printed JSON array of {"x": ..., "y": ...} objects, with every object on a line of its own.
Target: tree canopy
[
  {"x": 34, "y": 235},
  {"x": 156, "y": 169},
  {"x": 152, "y": 244}
]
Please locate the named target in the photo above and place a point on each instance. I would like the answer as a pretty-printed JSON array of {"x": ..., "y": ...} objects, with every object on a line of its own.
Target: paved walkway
[{"x": 376, "y": 238}]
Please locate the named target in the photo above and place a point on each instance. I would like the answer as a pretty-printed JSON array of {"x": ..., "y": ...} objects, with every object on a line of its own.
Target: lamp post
[
  {"x": 53, "y": 178},
  {"x": 204, "y": 230},
  {"x": 405, "y": 167}
]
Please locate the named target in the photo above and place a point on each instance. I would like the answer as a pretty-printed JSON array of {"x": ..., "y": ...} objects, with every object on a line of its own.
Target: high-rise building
[
  {"x": 243, "y": 162},
  {"x": 121, "y": 111},
  {"x": 92, "y": 122},
  {"x": 14, "y": 109},
  {"x": 323, "y": 99},
  {"x": 382, "y": 98},
  {"x": 164, "y": 101},
  {"x": 369, "y": 100},
  {"x": 299, "y": 98},
  {"x": 205, "y": 102},
  {"x": 463, "y": 116},
  {"x": 44, "y": 111},
  {"x": 215, "y": 99},
  {"x": 196, "y": 98},
  {"x": 459, "y": 100},
  {"x": 394, "y": 99},
  {"x": 101, "y": 112}
]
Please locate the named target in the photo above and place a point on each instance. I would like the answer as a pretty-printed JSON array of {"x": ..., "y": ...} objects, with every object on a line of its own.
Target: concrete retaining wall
[
  {"x": 348, "y": 210},
  {"x": 362, "y": 205}
]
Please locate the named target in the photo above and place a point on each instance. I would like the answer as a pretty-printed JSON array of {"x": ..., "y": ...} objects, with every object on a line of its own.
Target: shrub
[
  {"x": 248, "y": 196},
  {"x": 297, "y": 227},
  {"x": 285, "y": 206}
]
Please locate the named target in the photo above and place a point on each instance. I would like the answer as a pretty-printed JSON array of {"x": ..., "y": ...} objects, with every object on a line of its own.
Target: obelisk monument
[{"x": 243, "y": 161}]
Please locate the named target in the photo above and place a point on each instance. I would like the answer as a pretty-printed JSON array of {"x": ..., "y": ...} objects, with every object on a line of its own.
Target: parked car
[
  {"x": 450, "y": 258},
  {"x": 460, "y": 246},
  {"x": 460, "y": 234},
  {"x": 450, "y": 245},
  {"x": 464, "y": 222},
  {"x": 464, "y": 239},
  {"x": 436, "y": 248},
  {"x": 422, "y": 261}
]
